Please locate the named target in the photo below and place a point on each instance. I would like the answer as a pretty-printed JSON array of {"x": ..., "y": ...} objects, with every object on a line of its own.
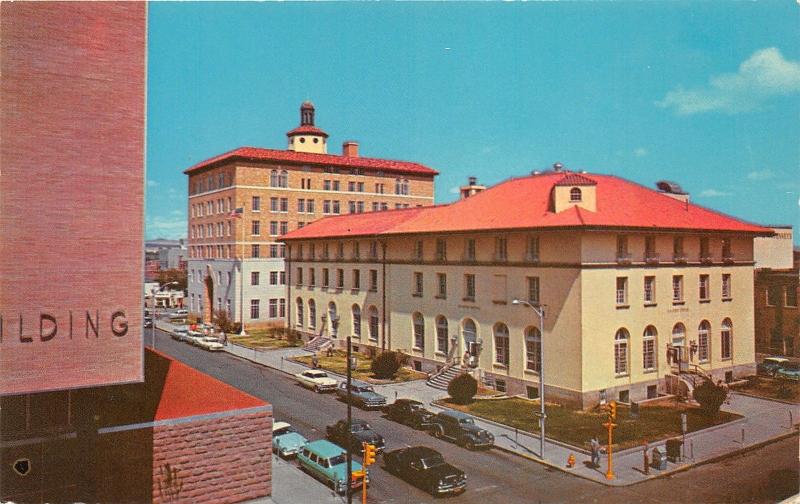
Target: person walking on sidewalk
[
  {"x": 595, "y": 444},
  {"x": 314, "y": 361}
]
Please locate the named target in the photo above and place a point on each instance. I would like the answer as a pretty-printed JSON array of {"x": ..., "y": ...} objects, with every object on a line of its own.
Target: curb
[{"x": 753, "y": 396}]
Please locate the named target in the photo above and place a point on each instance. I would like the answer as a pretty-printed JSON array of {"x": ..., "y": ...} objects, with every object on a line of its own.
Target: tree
[
  {"x": 462, "y": 388},
  {"x": 386, "y": 365},
  {"x": 711, "y": 396},
  {"x": 173, "y": 275},
  {"x": 223, "y": 321}
]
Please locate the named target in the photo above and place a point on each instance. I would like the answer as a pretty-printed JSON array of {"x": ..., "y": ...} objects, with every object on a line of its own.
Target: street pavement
[{"x": 494, "y": 476}]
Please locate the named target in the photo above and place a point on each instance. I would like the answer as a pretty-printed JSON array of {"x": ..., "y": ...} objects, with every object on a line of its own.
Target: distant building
[
  {"x": 777, "y": 279},
  {"x": 639, "y": 287},
  {"x": 87, "y": 414},
  {"x": 170, "y": 254},
  {"x": 241, "y": 203}
]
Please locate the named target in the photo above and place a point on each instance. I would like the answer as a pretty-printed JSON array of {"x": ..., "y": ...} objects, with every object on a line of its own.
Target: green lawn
[
  {"x": 771, "y": 388},
  {"x": 656, "y": 422},
  {"x": 263, "y": 338},
  {"x": 363, "y": 371}
]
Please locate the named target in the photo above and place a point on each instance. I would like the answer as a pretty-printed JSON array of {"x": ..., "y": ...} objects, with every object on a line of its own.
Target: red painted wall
[{"x": 71, "y": 193}]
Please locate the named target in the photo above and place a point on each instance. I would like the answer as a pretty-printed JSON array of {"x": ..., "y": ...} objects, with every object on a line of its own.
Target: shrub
[
  {"x": 462, "y": 388},
  {"x": 223, "y": 321},
  {"x": 710, "y": 396},
  {"x": 385, "y": 365}
]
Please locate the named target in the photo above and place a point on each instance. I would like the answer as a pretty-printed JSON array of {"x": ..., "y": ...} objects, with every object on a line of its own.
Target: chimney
[
  {"x": 350, "y": 148},
  {"x": 472, "y": 188}
]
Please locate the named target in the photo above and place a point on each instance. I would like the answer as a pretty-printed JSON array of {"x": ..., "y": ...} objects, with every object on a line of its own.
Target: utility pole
[
  {"x": 612, "y": 415},
  {"x": 349, "y": 417}
]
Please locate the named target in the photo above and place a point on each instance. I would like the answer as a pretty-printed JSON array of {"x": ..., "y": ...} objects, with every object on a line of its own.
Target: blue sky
[{"x": 705, "y": 94}]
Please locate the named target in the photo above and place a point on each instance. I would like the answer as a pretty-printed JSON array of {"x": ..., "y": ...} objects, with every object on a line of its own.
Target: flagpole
[{"x": 241, "y": 285}]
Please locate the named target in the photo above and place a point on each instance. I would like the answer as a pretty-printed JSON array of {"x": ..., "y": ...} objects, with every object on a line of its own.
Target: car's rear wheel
[
  {"x": 469, "y": 444},
  {"x": 437, "y": 432}
]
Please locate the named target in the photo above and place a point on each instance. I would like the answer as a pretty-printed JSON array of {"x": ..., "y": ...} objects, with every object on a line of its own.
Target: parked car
[
  {"x": 193, "y": 337},
  {"x": 789, "y": 371},
  {"x": 409, "y": 412},
  {"x": 179, "y": 333},
  {"x": 359, "y": 432},
  {"x": 316, "y": 379},
  {"x": 286, "y": 441},
  {"x": 209, "y": 343},
  {"x": 425, "y": 468},
  {"x": 328, "y": 463},
  {"x": 148, "y": 322},
  {"x": 362, "y": 395},
  {"x": 461, "y": 429},
  {"x": 771, "y": 365}
]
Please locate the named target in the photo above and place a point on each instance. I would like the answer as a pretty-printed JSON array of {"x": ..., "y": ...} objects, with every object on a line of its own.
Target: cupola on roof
[{"x": 307, "y": 137}]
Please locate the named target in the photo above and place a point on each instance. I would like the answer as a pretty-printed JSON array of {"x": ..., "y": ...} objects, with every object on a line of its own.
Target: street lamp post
[
  {"x": 154, "y": 291},
  {"x": 542, "y": 416}
]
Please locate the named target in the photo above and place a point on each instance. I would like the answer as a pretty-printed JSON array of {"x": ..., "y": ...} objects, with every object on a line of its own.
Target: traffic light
[
  {"x": 369, "y": 454},
  {"x": 612, "y": 410}
]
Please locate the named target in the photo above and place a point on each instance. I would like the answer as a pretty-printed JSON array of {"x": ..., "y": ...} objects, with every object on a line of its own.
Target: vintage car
[
  {"x": 461, "y": 429},
  {"x": 425, "y": 468},
  {"x": 789, "y": 371},
  {"x": 328, "y": 463},
  {"x": 180, "y": 333},
  {"x": 359, "y": 432},
  {"x": 771, "y": 365},
  {"x": 409, "y": 412},
  {"x": 286, "y": 441},
  {"x": 193, "y": 337},
  {"x": 316, "y": 379},
  {"x": 361, "y": 395},
  {"x": 209, "y": 343}
]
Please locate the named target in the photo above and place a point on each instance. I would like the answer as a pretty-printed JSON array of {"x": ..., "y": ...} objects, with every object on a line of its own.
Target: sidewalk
[{"x": 763, "y": 421}]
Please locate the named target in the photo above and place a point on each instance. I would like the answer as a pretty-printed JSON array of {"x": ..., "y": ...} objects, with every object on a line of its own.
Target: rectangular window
[
  {"x": 532, "y": 252},
  {"x": 373, "y": 250},
  {"x": 469, "y": 287},
  {"x": 677, "y": 288},
  {"x": 273, "y": 308},
  {"x": 622, "y": 248},
  {"x": 335, "y": 185},
  {"x": 726, "y": 286},
  {"x": 301, "y": 205},
  {"x": 418, "y": 250},
  {"x": 533, "y": 290},
  {"x": 649, "y": 354},
  {"x": 325, "y": 278},
  {"x": 254, "y": 308},
  {"x": 649, "y": 290},
  {"x": 441, "y": 249},
  {"x": 256, "y": 205},
  {"x": 727, "y": 252},
  {"x": 352, "y": 206},
  {"x": 441, "y": 280},
  {"x": 299, "y": 275},
  {"x": 791, "y": 296},
  {"x": 677, "y": 249},
  {"x": 326, "y": 185},
  {"x": 284, "y": 205},
  {"x": 417, "y": 284},
  {"x": 282, "y": 308},
  {"x": 254, "y": 277},
  {"x": 284, "y": 227},
  {"x": 500, "y": 249},
  {"x": 340, "y": 250},
  {"x": 335, "y": 207},
  {"x": 273, "y": 250},
  {"x": 351, "y": 186},
  {"x": 282, "y": 276},
  {"x": 273, "y": 228},
  {"x": 255, "y": 251},
  {"x": 726, "y": 342},
  {"x": 310, "y": 206},
  {"x": 356, "y": 279},
  {"x": 705, "y": 252},
  {"x": 772, "y": 295},
  {"x": 339, "y": 278},
  {"x": 326, "y": 206},
  {"x": 373, "y": 280},
  {"x": 273, "y": 278},
  {"x": 325, "y": 251},
  {"x": 469, "y": 252},
  {"x": 256, "y": 228},
  {"x": 356, "y": 250},
  {"x": 622, "y": 291},
  {"x": 704, "y": 288},
  {"x": 312, "y": 277},
  {"x": 273, "y": 204},
  {"x": 650, "y": 254}
]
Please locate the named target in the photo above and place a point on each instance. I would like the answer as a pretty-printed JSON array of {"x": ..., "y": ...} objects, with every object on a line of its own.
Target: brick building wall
[{"x": 777, "y": 316}]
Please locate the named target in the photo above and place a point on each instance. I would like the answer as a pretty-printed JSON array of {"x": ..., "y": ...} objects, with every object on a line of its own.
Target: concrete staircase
[
  {"x": 316, "y": 344},
  {"x": 441, "y": 380}
]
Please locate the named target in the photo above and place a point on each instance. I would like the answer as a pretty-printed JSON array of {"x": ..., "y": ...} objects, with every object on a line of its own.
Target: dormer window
[{"x": 575, "y": 194}]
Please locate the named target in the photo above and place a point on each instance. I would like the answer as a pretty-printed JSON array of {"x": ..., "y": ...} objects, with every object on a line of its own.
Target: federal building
[
  {"x": 639, "y": 286},
  {"x": 87, "y": 414},
  {"x": 243, "y": 201}
]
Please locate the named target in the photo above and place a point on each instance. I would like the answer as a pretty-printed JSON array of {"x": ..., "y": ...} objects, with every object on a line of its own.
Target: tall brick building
[
  {"x": 86, "y": 414},
  {"x": 241, "y": 202}
]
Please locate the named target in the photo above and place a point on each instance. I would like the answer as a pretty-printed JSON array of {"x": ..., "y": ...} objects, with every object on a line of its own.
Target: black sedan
[
  {"x": 409, "y": 412},
  {"x": 425, "y": 468},
  {"x": 359, "y": 432}
]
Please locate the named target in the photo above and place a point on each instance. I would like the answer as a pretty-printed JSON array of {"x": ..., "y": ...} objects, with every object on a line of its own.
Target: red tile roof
[
  {"x": 524, "y": 203},
  {"x": 287, "y": 156},
  {"x": 575, "y": 179},
  {"x": 307, "y": 130}
]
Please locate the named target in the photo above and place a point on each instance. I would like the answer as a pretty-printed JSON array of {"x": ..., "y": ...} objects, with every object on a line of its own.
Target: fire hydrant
[{"x": 571, "y": 461}]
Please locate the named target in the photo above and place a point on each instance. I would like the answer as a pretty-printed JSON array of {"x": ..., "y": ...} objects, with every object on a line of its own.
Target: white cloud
[
  {"x": 765, "y": 174},
  {"x": 166, "y": 227},
  {"x": 765, "y": 74},
  {"x": 152, "y": 183},
  {"x": 713, "y": 193},
  {"x": 455, "y": 190},
  {"x": 640, "y": 152}
]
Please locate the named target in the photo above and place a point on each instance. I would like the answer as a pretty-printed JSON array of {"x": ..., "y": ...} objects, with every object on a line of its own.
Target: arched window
[
  {"x": 533, "y": 349},
  {"x": 621, "y": 351},
  {"x": 331, "y": 317},
  {"x": 284, "y": 179},
  {"x": 702, "y": 341},
  {"x": 356, "y": 321},
  {"x": 678, "y": 335},
  {"x": 726, "y": 343},
  {"x": 419, "y": 330},
  {"x": 397, "y": 183},
  {"x": 405, "y": 186},
  {"x": 501, "y": 344},
  {"x": 299, "y": 312},
  {"x": 373, "y": 323},
  {"x": 649, "y": 346},
  {"x": 575, "y": 194},
  {"x": 441, "y": 334},
  {"x": 273, "y": 178},
  {"x": 312, "y": 314}
]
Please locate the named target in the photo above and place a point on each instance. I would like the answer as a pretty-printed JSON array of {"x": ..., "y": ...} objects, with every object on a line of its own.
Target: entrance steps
[{"x": 440, "y": 381}]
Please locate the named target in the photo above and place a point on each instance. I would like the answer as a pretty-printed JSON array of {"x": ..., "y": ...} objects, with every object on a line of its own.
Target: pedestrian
[
  {"x": 466, "y": 358},
  {"x": 329, "y": 352},
  {"x": 224, "y": 338},
  {"x": 595, "y": 452},
  {"x": 314, "y": 361}
]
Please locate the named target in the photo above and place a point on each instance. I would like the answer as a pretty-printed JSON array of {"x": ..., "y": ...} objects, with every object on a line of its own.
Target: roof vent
[
  {"x": 536, "y": 172},
  {"x": 670, "y": 187},
  {"x": 558, "y": 167}
]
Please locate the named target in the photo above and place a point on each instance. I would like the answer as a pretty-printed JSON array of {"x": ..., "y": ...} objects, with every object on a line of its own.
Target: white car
[
  {"x": 180, "y": 333},
  {"x": 317, "y": 380},
  {"x": 210, "y": 344}
]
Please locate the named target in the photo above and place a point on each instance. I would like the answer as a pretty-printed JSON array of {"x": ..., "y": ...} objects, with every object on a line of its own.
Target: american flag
[{"x": 236, "y": 213}]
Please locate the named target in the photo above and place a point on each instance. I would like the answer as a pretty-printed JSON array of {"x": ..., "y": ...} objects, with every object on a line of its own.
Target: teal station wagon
[{"x": 328, "y": 463}]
